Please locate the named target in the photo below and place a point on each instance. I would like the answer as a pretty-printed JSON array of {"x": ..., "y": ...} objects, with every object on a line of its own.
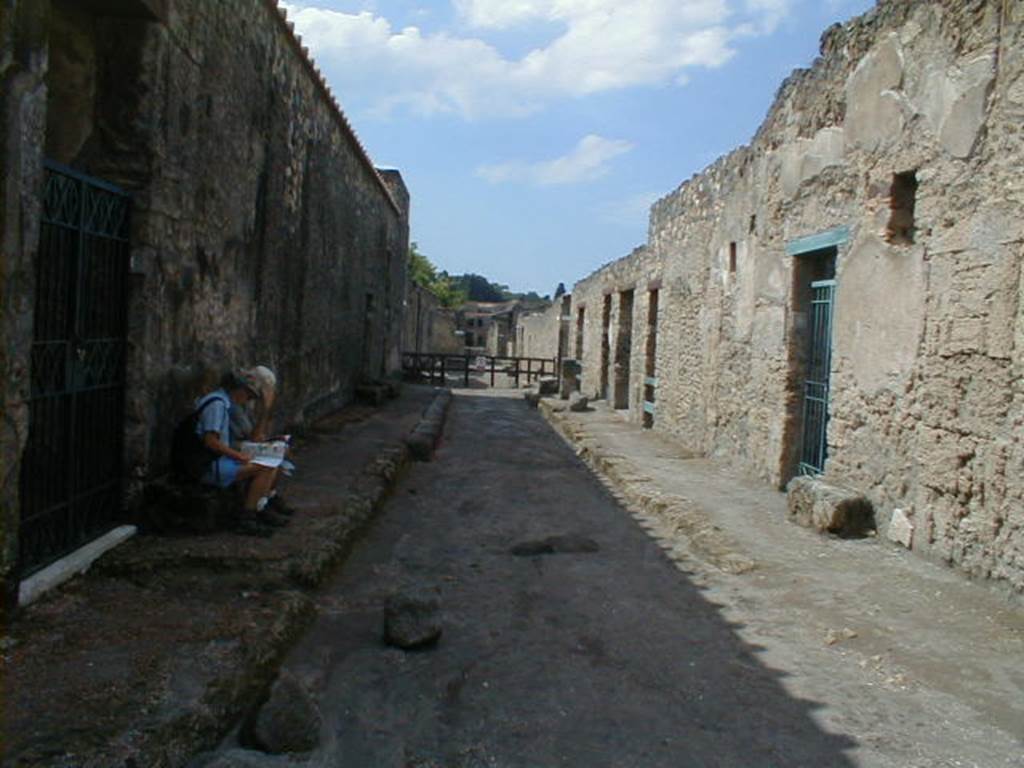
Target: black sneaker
[
  {"x": 280, "y": 506},
  {"x": 266, "y": 517},
  {"x": 247, "y": 526}
]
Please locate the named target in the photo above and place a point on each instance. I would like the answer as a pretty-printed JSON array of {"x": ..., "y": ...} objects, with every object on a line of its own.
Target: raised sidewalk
[
  {"x": 155, "y": 652},
  {"x": 921, "y": 634}
]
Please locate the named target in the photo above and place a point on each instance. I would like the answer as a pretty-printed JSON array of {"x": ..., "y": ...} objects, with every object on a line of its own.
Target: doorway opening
[
  {"x": 814, "y": 287},
  {"x": 606, "y": 344},
  {"x": 623, "y": 349},
  {"x": 650, "y": 361}
]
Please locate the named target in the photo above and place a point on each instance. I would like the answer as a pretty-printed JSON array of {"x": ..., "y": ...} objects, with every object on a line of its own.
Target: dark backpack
[{"x": 190, "y": 458}]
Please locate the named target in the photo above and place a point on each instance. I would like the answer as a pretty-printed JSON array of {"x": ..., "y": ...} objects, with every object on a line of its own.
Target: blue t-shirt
[{"x": 215, "y": 417}]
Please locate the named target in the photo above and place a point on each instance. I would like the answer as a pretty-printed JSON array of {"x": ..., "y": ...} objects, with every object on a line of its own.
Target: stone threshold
[{"x": 79, "y": 561}]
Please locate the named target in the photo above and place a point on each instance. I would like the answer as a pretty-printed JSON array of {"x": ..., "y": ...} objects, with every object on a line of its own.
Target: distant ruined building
[
  {"x": 842, "y": 297},
  {"x": 180, "y": 194}
]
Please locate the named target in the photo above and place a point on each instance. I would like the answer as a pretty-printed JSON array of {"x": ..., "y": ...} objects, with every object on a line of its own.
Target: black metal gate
[
  {"x": 816, "y": 384},
  {"x": 71, "y": 475}
]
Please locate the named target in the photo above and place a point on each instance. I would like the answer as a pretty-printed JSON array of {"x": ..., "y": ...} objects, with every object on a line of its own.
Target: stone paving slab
[
  {"x": 153, "y": 654},
  {"x": 915, "y": 628}
]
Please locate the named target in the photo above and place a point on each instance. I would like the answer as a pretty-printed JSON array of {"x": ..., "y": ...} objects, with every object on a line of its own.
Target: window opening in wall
[
  {"x": 650, "y": 364},
  {"x": 753, "y": 222},
  {"x": 623, "y": 349},
  {"x": 606, "y": 344},
  {"x": 732, "y": 257},
  {"x": 902, "y": 197}
]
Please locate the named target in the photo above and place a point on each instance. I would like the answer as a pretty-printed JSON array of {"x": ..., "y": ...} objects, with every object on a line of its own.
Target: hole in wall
[{"x": 902, "y": 198}]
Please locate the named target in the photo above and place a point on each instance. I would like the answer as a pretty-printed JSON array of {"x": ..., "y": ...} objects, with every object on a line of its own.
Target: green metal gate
[
  {"x": 816, "y": 384},
  {"x": 71, "y": 472}
]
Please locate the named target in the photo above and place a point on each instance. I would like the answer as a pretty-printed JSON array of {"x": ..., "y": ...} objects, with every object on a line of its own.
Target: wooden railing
[{"x": 442, "y": 369}]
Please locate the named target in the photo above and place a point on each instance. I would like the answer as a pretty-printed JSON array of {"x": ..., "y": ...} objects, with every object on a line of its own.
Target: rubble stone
[
  {"x": 412, "y": 619},
  {"x": 901, "y": 530},
  {"x": 579, "y": 403},
  {"x": 289, "y": 721},
  {"x": 827, "y": 508}
]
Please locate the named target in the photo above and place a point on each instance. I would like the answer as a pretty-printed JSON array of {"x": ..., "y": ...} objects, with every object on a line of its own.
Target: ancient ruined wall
[
  {"x": 22, "y": 115},
  {"x": 260, "y": 231},
  {"x": 538, "y": 332},
  {"x": 638, "y": 272},
  {"x": 925, "y": 403},
  {"x": 428, "y": 326}
]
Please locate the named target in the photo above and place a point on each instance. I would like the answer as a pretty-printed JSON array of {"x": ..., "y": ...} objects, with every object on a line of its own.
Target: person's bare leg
[{"x": 261, "y": 479}]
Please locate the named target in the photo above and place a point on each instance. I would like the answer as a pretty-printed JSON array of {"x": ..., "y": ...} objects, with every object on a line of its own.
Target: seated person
[
  {"x": 231, "y": 466},
  {"x": 252, "y": 420}
]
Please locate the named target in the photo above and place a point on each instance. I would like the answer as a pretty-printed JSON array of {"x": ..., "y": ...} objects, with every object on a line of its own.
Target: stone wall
[
  {"x": 22, "y": 114},
  {"x": 429, "y": 327},
  {"x": 538, "y": 333},
  {"x": 260, "y": 230},
  {"x": 896, "y": 158}
]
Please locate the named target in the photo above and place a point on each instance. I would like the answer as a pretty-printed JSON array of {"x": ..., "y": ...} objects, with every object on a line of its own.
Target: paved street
[{"x": 610, "y": 657}]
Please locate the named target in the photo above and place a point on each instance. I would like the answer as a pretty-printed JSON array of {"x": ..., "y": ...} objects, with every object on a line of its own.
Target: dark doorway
[
  {"x": 72, "y": 467},
  {"x": 623, "y": 349},
  {"x": 606, "y": 344},
  {"x": 580, "y": 319},
  {"x": 650, "y": 363},
  {"x": 811, "y": 361}
]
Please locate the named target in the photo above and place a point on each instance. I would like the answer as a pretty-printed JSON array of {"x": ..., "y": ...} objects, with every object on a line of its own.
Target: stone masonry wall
[
  {"x": 261, "y": 232},
  {"x": 927, "y": 346},
  {"x": 428, "y": 326},
  {"x": 22, "y": 116},
  {"x": 538, "y": 332}
]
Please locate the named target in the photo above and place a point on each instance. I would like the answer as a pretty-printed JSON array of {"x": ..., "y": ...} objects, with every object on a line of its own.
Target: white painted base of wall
[{"x": 36, "y": 585}]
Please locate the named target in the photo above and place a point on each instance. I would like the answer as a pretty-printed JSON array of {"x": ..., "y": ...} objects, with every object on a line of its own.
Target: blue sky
[{"x": 535, "y": 134}]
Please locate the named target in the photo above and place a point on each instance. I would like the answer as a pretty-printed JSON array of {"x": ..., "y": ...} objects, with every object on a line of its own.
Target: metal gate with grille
[
  {"x": 71, "y": 475},
  {"x": 816, "y": 383}
]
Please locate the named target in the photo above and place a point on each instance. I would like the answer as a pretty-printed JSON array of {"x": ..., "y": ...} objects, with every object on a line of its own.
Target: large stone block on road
[
  {"x": 547, "y": 385},
  {"x": 289, "y": 721},
  {"x": 829, "y": 508},
  {"x": 579, "y": 403},
  {"x": 413, "y": 619}
]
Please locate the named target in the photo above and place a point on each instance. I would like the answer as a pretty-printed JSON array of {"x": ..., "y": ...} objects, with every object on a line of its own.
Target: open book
[{"x": 268, "y": 454}]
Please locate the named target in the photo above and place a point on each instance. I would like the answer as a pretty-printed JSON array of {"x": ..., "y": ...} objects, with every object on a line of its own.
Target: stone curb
[
  {"x": 426, "y": 435},
  {"x": 666, "y": 517},
  {"x": 172, "y": 741}
]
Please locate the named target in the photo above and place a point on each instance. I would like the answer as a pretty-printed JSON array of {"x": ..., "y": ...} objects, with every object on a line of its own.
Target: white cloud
[
  {"x": 589, "y": 160},
  {"x": 632, "y": 211},
  {"x": 601, "y": 45}
]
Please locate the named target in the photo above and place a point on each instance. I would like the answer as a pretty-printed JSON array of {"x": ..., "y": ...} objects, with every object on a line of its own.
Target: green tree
[{"x": 423, "y": 272}]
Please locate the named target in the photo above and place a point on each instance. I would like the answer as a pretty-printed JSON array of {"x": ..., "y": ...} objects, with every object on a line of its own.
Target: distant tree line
[{"x": 455, "y": 290}]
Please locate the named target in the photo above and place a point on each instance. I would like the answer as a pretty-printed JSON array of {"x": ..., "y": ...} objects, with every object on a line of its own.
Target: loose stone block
[
  {"x": 828, "y": 508},
  {"x": 289, "y": 721},
  {"x": 579, "y": 403},
  {"x": 901, "y": 530},
  {"x": 413, "y": 619},
  {"x": 547, "y": 385}
]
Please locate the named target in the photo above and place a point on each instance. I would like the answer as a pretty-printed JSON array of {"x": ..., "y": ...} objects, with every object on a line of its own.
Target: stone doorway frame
[{"x": 815, "y": 258}]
